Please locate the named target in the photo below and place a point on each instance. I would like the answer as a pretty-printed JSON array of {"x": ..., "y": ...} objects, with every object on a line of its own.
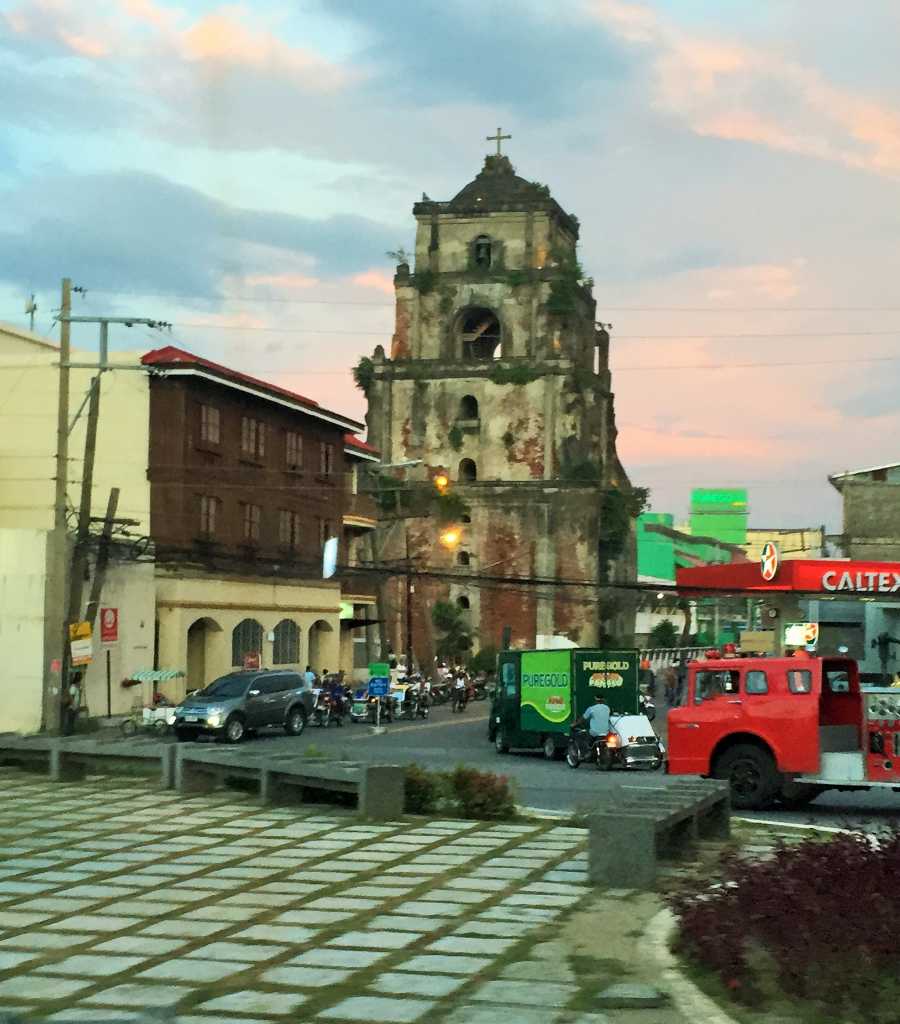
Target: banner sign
[
  {"x": 109, "y": 625},
  {"x": 81, "y": 644},
  {"x": 546, "y": 691}
]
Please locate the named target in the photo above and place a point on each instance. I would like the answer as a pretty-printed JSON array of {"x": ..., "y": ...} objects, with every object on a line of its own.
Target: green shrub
[
  {"x": 364, "y": 374},
  {"x": 518, "y": 375},
  {"x": 455, "y": 437},
  {"x": 423, "y": 790},
  {"x": 483, "y": 796},
  {"x": 425, "y": 281}
]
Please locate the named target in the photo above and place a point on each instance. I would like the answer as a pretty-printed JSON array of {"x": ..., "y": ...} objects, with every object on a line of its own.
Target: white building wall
[{"x": 23, "y": 565}]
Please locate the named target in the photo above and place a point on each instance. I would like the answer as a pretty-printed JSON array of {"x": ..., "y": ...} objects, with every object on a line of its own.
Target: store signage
[
  {"x": 862, "y": 582},
  {"x": 546, "y": 685},
  {"x": 109, "y": 625},
  {"x": 81, "y": 644},
  {"x": 801, "y": 634}
]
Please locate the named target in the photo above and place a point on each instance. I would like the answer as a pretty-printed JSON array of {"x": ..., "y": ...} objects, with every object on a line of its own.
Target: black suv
[{"x": 242, "y": 702}]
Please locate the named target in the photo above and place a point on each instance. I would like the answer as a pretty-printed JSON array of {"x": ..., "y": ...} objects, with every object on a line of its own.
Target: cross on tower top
[{"x": 498, "y": 138}]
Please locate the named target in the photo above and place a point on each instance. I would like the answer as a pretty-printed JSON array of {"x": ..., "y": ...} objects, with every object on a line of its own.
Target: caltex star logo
[{"x": 769, "y": 561}]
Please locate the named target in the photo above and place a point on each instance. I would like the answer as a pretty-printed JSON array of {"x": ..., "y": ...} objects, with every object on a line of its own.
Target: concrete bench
[
  {"x": 636, "y": 826},
  {"x": 70, "y": 759},
  {"x": 283, "y": 778}
]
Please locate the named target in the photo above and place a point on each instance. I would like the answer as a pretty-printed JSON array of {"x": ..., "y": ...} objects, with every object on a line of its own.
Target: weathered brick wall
[{"x": 872, "y": 520}]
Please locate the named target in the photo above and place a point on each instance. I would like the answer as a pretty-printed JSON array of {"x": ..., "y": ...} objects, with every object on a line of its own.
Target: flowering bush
[
  {"x": 819, "y": 920},
  {"x": 422, "y": 790},
  {"x": 482, "y": 795}
]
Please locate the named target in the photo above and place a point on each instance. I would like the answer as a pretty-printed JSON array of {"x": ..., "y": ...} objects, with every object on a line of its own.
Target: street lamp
[
  {"x": 450, "y": 536},
  {"x": 441, "y": 482}
]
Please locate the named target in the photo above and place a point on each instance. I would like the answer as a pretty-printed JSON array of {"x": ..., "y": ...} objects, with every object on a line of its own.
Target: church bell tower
[{"x": 498, "y": 378}]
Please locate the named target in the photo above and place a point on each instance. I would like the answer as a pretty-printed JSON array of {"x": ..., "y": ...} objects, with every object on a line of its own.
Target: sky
[{"x": 241, "y": 170}]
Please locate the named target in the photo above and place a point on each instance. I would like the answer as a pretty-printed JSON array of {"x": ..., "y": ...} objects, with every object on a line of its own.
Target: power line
[
  {"x": 895, "y": 332},
  {"x": 387, "y": 304}
]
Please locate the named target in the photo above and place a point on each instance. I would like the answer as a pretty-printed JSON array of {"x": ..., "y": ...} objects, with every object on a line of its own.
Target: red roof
[
  {"x": 354, "y": 442},
  {"x": 171, "y": 355}
]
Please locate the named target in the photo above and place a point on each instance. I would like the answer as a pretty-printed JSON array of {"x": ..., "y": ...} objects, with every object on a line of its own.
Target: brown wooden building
[{"x": 248, "y": 481}]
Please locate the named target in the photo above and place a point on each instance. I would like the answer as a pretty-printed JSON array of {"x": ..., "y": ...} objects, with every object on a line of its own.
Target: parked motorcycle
[
  {"x": 423, "y": 705},
  {"x": 647, "y": 707},
  {"x": 631, "y": 743},
  {"x": 322, "y": 710},
  {"x": 601, "y": 750},
  {"x": 479, "y": 691}
]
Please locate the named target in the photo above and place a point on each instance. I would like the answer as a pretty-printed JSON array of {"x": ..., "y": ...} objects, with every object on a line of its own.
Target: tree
[
  {"x": 484, "y": 661},
  {"x": 450, "y": 620},
  {"x": 664, "y": 634}
]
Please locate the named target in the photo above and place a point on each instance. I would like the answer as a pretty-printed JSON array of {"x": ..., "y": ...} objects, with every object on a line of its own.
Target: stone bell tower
[{"x": 498, "y": 375}]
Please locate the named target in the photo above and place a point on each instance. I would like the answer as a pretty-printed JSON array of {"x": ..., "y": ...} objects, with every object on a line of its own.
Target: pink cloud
[
  {"x": 380, "y": 280},
  {"x": 84, "y": 46},
  {"x": 150, "y": 13},
  {"x": 220, "y": 39},
  {"x": 287, "y": 281},
  {"x": 753, "y": 95}
]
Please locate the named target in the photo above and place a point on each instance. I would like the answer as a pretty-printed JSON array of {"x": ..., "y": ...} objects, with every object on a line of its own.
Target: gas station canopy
[{"x": 826, "y": 576}]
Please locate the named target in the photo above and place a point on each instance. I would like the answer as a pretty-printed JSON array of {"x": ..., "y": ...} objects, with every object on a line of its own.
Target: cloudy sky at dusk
[{"x": 241, "y": 170}]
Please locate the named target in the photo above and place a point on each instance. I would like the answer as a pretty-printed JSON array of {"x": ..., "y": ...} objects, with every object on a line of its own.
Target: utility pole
[
  {"x": 56, "y": 637},
  {"x": 68, "y": 589},
  {"x": 410, "y": 591}
]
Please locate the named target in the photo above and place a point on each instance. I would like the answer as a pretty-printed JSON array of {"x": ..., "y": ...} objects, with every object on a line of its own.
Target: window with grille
[
  {"x": 210, "y": 427},
  {"x": 293, "y": 450},
  {"x": 209, "y": 512},
  {"x": 326, "y": 459},
  {"x": 253, "y": 438},
  {"x": 289, "y": 529},
  {"x": 287, "y": 643},
  {"x": 252, "y": 517},
  {"x": 246, "y": 638}
]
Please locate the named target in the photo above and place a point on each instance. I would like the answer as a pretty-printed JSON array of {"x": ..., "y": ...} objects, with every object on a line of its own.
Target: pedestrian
[
  {"x": 309, "y": 677},
  {"x": 681, "y": 683},
  {"x": 670, "y": 683}
]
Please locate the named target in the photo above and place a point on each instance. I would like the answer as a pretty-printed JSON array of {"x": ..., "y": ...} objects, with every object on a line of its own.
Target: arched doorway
[
  {"x": 320, "y": 646},
  {"x": 200, "y": 637}
]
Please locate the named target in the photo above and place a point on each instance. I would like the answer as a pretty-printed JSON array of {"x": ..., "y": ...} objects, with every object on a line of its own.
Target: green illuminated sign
[{"x": 546, "y": 686}]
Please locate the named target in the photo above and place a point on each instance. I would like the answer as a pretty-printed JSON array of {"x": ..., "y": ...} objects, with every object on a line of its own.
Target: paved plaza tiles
[{"x": 116, "y": 897}]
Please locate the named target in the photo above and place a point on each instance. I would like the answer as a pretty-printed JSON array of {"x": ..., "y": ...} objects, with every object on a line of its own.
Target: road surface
[{"x": 449, "y": 739}]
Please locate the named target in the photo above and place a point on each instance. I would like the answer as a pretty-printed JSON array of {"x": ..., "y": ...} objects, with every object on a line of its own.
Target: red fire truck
[{"x": 785, "y": 729}]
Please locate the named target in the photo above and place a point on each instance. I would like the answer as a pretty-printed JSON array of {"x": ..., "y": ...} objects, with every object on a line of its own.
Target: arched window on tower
[
  {"x": 481, "y": 252},
  {"x": 468, "y": 408},
  {"x": 468, "y": 471},
  {"x": 479, "y": 331},
  {"x": 463, "y": 558},
  {"x": 463, "y": 603}
]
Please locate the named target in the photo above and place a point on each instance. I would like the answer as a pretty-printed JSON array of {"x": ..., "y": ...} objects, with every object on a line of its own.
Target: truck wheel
[
  {"x": 549, "y": 747},
  {"x": 752, "y": 775},
  {"x": 500, "y": 744}
]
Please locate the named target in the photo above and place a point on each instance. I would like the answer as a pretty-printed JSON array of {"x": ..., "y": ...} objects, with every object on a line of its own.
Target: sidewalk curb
[{"x": 693, "y": 1004}]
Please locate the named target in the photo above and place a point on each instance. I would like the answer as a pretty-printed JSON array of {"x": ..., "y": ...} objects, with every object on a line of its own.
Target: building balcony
[{"x": 360, "y": 512}]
